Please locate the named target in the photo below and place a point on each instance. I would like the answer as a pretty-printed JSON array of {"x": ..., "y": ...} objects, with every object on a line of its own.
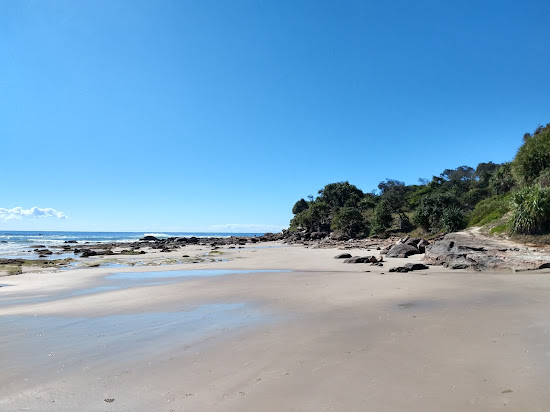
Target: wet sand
[{"x": 311, "y": 333}]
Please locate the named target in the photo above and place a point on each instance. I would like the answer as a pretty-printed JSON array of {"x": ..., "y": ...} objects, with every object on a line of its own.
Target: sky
[{"x": 219, "y": 115}]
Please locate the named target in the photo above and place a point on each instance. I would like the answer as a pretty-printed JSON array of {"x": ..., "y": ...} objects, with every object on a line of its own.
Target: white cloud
[{"x": 19, "y": 213}]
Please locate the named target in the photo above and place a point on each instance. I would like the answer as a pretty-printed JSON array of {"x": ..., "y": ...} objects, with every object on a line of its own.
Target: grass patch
[
  {"x": 489, "y": 210},
  {"x": 499, "y": 229},
  {"x": 13, "y": 269},
  {"x": 216, "y": 252}
]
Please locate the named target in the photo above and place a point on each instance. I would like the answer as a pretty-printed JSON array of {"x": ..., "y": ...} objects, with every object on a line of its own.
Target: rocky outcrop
[{"x": 466, "y": 250}]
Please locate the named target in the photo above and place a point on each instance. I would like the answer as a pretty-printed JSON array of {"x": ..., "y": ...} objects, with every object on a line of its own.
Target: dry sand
[{"x": 326, "y": 336}]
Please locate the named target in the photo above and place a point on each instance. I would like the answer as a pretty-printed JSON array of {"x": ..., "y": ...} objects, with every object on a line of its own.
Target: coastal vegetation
[{"x": 512, "y": 197}]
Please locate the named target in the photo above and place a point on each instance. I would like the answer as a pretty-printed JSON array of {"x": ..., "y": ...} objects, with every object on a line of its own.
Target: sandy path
[{"x": 326, "y": 336}]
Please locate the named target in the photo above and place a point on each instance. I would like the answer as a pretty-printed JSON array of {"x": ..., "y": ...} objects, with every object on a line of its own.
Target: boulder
[
  {"x": 361, "y": 259},
  {"x": 415, "y": 266},
  {"x": 342, "y": 256},
  {"x": 88, "y": 253},
  {"x": 409, "y": 267},
  {"x": 399, "y": 269},
  {"x": 402, "y": 249},
  {"x": 318, "y": 235},
  {"x": 148, "y": 238}
]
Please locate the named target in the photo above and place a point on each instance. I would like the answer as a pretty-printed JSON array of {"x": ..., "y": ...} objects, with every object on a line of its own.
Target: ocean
[{"x": 20, "y": 244}]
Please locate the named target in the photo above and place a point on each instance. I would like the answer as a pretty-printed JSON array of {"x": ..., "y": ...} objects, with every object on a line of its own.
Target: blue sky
[{"x": 219, "y": 115}]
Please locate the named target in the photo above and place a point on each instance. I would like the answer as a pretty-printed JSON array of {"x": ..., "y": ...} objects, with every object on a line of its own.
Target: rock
[
  {"x": 318, "y": 235},
  {"x": 399, "y": 269},
  {"x": 361, "y": 259},
  {"x": 342, "y": 256},
  {"x": 70, "y": 241},
  {"x": 459, "y": 266},
  {"x": 408, "y": 267},
  {"x": 544, "y": 266},
  {"x": 474, "y": 251},
  {"x": 88, "y": 253},
  {"x": 422, "y": 245},
  {"x": 415, "y": 266},
  {"x": 148, "y": 238},
  {"x": 402, "y": 249}
]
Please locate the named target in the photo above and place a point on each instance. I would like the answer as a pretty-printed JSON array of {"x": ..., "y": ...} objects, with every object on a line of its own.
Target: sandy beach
[{"x": 274, "y": 327}]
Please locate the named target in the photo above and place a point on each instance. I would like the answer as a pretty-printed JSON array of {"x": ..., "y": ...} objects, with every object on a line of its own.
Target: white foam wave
[{"x": 157, "y": 234}]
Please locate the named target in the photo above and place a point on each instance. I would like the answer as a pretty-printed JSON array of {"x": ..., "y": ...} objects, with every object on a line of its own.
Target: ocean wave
[{"x": 156, "y": 234}]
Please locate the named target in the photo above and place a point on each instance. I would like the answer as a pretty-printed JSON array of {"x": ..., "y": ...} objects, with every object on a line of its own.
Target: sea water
[{"x": 20, "y": 244}]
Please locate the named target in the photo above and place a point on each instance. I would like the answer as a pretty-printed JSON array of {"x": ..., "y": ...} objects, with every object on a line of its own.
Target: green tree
[
  {"x": 348, "y": 221},
  {"x": 394, "y": 193},
  {"x": 300, "y": 206},
  {"x": 453, "y": 219},
  {"x": 428, "y": 215},
  {"x": 337, "y": 195},
  {"x": 382, "y": 219},
  {"x": 533, "y": 157},
  {"x": 502, "y": 180}
]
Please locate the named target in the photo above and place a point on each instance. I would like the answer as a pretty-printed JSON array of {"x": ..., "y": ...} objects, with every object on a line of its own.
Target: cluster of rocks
[
  {"x": 373, "y": 260},
  {"x": 465, "y": 250},
  {"x": 409, "y": 267},
  {"x": 164, "y": 245},
  {"x": 405, "y": 247}
]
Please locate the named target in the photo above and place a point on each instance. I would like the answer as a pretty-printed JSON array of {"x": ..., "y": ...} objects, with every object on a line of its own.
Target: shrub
[
  {"x": 502, "y": 180},
  {"x": 533, "y": 156},
  {"x": 348, "y": 221},
  {"x": 531, "y": 210},
  {"x": 489, "y": 210},
  {"x": 382, "y": 218},
  {"x": 452, "y": 219},
  {"x": 428, "y": 215}
]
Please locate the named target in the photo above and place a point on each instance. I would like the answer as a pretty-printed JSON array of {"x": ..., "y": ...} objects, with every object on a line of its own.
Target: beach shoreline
[{"x": 311, "y": 334}]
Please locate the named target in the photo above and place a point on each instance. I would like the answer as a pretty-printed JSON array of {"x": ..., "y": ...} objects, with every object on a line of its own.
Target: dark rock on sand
[
  {"x": 342, "y": 256},
  {"x": 408, "y": 267},
  {"x": 361, "y": 259},
  {"x": 402, "y": 250}
]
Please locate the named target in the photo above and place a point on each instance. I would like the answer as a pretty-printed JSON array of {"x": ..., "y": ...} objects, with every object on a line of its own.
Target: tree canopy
[{"x": 445, "y": 203}]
